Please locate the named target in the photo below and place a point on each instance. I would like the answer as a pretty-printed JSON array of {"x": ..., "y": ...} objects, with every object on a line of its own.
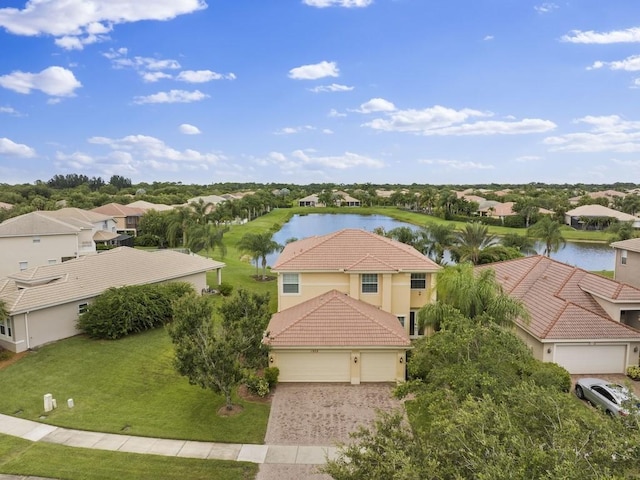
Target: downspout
[{"x": 26, "y": 328}]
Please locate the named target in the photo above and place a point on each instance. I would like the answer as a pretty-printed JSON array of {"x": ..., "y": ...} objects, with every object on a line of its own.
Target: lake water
[{"x": 589, "y": 256}]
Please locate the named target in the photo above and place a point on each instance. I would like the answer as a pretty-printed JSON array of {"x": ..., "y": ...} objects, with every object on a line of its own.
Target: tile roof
[
  {"x": 561, "y": 299},
  {"x": 88, "y": 276},
  {"x": 632, "y": 244},
  {"x": 118, "y": 210},
  {"x": 144, "y": 205},
  {"x": 352, "y": 250},
  {"x": 39, "y": 223},
  {"x": 600, "y": 211},
  {"x": 77, "y": 214},
  {"x": 335, "y": 319}
]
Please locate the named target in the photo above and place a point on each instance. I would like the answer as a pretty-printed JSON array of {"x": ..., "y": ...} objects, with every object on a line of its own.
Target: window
[
  {"x": 623, "y": 257},
  {"x": 23, "y": 265},
  {"x": 6, "y": 327},
  {"x": 35, "y": 239},
  {"x": 52, "y": 261},
  {"x": 418, "y": 281},
  {"x": 401, "y": 320},
  {"x": 369, "y": 283},
  {"x": 290, "y": 283},
  {"x": 82, "y": 308}
]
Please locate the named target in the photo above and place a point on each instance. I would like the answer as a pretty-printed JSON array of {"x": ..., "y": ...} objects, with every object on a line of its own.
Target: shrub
[
  {"x": 514, "y": 221},
  {"x": 146, "y": 240},
  {"x": 257, "y": 385},
  {"x": 551, "y": 375},
  {"x": 271, "y": 375},
  {"x": 225, "y": 289},
  {"x": 634, "y": 372}
]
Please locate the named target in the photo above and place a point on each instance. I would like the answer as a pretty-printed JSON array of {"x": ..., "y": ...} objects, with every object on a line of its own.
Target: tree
[
  {"x": 523, "y": 243},
  {"x": 204, "y": 353},
  {"x": 259, "y": 246},
  {"x": 207, "y": 237},
  {"x": 403, "y": 234},
  {"x": 120, "y": 182},
  {"x": 621, "y": 231},
  {"x": 476, "y": 296},
  {"x": 527, "y": 209},
  {"x": 548, "y": 231},
  {"x": 436, "y": 238},
  {"x": 178, "y": 224},
  {"x": 471, "y": 241}
]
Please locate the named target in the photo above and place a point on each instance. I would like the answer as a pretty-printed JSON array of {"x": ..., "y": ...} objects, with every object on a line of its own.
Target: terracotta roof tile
[
  {"x": 335, "y": 319},
  {"x": 560, "y": 299},
  {"x": 352, "y": 250}
]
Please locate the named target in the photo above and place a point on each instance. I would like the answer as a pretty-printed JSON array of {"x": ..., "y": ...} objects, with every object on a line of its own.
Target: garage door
[
  {"x": 314, "y": 366},
  {"x": 592, "y": 358},
  {"x": 378, "y": 366}
]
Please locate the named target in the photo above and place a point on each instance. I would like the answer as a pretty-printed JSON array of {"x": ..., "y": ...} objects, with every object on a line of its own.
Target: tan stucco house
[
  {"x": 125, "y": 216},
  {"x": 627, "y": 261},
  {"x": 584, "y": 322},
  {"x": 347, "y": 307},
  {"x": 44, "y": 302},
  {"x": 574, "y": 217}
]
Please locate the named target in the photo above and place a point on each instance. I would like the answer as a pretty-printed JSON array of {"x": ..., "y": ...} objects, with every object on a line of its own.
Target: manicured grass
[
  {"x": 123, "y": 386},
  {"x": 21, "y": 457}
]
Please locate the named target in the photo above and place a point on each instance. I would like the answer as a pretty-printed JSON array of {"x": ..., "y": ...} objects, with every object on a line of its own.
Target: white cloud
[
  {"x": 334, "y": 87},
  {"x": 75, "y": 23},
  {"x": 327, "y": 131},
  {"x": 488, "y": 37},
  {"x": 528, "y": 158},
  {"x": 630, "y": 35},
  {"x": 457, "y": 164},
  {"x": 54, "y": 81},
  {"x": 333, "y": 113},
  {"x": 439, "y": 120},
  {"x": 607, "y": 134},
  {"x": 9, "y": 110},
  {"x": 292, "y": 130},
  {"x": 188, "y": 129},
  {"x": 629, "y": 64},
  {"x": 202, "y": 76},
  {"x": 172, "y": 96},
  {"x": 12, "y": 149},
  {"x": 376, "y": 105},
  {"x": 545, "y": 7},
  {"x": 338, "y": 3},
  {"x": 315, "y": 71},
  {"x": 342, "y": 162},
  {"x": 152, "y": 77}
]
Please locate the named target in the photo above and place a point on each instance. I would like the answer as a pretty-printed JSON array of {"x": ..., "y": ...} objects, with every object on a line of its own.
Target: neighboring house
[
  {"x": 44, "y": 302},
  {"x": 627, "y": 261},
  {"x": 608, "y": 194},
  {"x": 127, "y": 218},
  {"x": 491, "y": 208},
  {"x": 99, "y": 221},
  {"x": 146, "y": 206},
  {"x": 575, "y": 217},
  {"x": 38, "y": 238},
  {"x": 346, "y": 200},
  {"x": 211, "y": 200},
  {"x": 584, "y": 322},
  {"x": 310, "y": 201},
  {"x": 347, "y": 305}
]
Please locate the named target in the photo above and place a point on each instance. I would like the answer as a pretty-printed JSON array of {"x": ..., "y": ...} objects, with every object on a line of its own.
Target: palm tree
[
  {"x": 527, "y": 209},
  {"x": 523, "y": 243},
  {"x": 436, "y": 238},
  {"x": 549, "y": 232},
  {"x": 472, "y": 241},
  {"x": 180, "y": 219},
  {"x": 478, "y": 296},
  {"x": 207, "y": 237},
  {"x": 403, "y": 234},
  {"x": 259, "y": 246}
]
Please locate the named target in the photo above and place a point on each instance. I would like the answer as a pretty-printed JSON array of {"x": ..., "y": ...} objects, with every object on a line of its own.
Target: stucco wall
[
  {"x": 629, "y": 273},
  {"x": 14, "y": 250}
]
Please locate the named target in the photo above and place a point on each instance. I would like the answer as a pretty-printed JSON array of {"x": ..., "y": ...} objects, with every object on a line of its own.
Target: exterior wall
[
  {"x": 312, "y": 285},
  {"x": 538, "y": 349},
  {"x": 629, "y": 273},
  {"x": 14, "y": 250},
  {"x": 17, "y": 342},
  {"x": 614, "y": 309}
]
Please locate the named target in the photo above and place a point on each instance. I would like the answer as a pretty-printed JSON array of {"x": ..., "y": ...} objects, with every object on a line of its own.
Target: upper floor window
[
  {"x": 401, "y": 320},
  {"x": 35, "y": 239},
  {"x": 82, "y": 307},
  {"x": 6, "y": 327},
  {"x": 369, "y": 283},
  {"x": 623, "y": 257},
  {"x": 290, "y": 283},
  {"x": 23, "y": 265},
  {"x": 418, "y": 281}
]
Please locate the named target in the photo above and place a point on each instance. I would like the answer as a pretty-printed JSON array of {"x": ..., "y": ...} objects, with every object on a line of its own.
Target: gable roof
[
  {"x": 352, "y": 250},
  {"x": 144, "y": 205},
  {"x": 561, "y": 300},
  {"x": 118, "y": 210},
  {"x": 68, "y": 213},
  {"x": 600, "y": 211},
  {"x": 39, "y": 223},
  {"x": 335, "y": 319},
  {"x": 88, "y": 276},
  {"x": 632, "y": 244}
]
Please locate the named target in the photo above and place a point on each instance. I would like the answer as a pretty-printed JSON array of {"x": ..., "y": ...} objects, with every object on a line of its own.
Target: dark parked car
[{"x": 612, "y": 398}]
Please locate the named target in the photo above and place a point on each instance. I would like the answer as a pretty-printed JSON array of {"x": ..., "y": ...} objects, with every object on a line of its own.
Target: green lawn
[
  {"x": 123, "y": 386},
  {"x": 21, "y": 457}
]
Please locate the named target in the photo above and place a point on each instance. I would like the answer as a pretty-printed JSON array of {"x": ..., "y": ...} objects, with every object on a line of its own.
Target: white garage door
[
  {"x": 378, "y": 366},
  {"x": 314, "y": 366},
  {"x": 592, "y": 358}
]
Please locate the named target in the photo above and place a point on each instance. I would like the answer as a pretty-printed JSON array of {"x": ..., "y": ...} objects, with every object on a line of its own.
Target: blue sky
[{"x": 312, "y": 91}]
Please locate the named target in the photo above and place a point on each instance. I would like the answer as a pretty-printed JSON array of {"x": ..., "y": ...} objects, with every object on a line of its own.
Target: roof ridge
[
  {"x": 321, "y": 302},
  {"x": 538, "y": 259},
  {"x": 368, "y": 255},
  {"x": 556, "y": 318},
  {"x": 356, "y": 305}
]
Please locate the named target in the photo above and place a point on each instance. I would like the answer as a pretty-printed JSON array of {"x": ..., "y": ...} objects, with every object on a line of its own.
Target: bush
[
  {"x": 257, "y": 385},
  {"x": 514, "y": 221},
  {"x": 225, "y": 289},
  {"x": 146, "y": 240},
  {"x": 634, "y": 372},
  {"x": 271, "y": 376},
  {"x": 551, "y": 375}
]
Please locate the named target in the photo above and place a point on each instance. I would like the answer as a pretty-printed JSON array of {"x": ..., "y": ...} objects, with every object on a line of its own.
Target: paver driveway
[{"x": 324, "y": 413}]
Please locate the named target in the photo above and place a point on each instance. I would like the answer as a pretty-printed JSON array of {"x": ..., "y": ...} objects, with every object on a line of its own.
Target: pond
[{"x": 589, "y": 256}]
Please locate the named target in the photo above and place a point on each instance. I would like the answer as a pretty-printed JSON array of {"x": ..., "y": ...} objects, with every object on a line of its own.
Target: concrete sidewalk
[{"x": 261, "y": 454}]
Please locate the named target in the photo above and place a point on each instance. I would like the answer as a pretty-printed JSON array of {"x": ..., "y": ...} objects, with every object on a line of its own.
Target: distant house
[
  {"x": 584, "y": 322},
  {"x": 627, "y": 261},
  {"x": 500, "y": 210},
  {"x": 347, "y": 307},
  {"x": 608, "y": 194},
  {"x": 310, "y": 201},
  {"x": 346, "y": 200},
  {"x": 576, "y": 217},
  {"x": 44, "y": 302},
  {"x": 126, "y": 217},
  {"x": 146, "y": 206}
]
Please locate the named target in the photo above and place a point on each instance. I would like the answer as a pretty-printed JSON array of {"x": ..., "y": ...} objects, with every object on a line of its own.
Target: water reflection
[{"x": 590, "y": 256}]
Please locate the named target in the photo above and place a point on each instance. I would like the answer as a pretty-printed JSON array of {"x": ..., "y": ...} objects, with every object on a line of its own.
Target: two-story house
[
  {"x": 125, "y": 216},
  {"x": 347, "y": 307},
  {"x": 627, "y": 261}
]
